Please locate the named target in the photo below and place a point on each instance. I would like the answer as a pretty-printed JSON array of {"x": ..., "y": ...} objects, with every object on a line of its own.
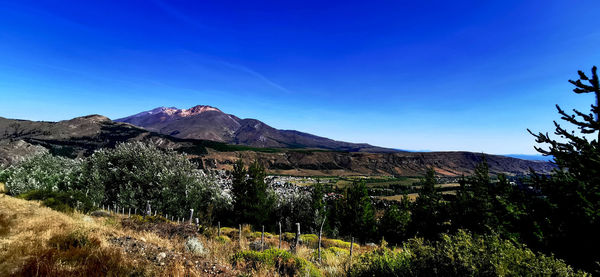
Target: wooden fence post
[
  {"x": 262, "y": 239},
  {"x": 297, "y": 237},
  {"x": 320, "y": 236},
  {"x": 240, "y": 236},
  {"x": 219, "y": 231},
  {"x": 280, "y": 234},
  {"x": 191, "y": 215},
  {"x": 129, "y": 213},
  {"x": 351, "y": 250}
]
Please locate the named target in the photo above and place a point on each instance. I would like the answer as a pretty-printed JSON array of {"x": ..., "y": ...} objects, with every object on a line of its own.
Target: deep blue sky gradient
[{"x": 435, "y": 75}]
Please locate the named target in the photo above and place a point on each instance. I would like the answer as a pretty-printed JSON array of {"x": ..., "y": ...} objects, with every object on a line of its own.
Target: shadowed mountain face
[
  {"x": 209, "y": 123},
  {"x": 81, "y": 136}
]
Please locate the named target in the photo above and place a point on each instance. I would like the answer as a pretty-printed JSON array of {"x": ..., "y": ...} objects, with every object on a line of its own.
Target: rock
[
  {"x": 194, "y": 246},
  {"x": 87, "y": 219},
  {"x": 100, "y": 214},
  {"x": 256, "y": 245},
  {"x": 161, "y": 256}
]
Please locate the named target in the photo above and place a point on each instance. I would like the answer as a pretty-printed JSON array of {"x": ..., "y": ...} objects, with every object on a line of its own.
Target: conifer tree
[
  {"x": 428, "y": 214},
  {"x": 573, "y": 190},
  {"x": 252, "y": 203}
]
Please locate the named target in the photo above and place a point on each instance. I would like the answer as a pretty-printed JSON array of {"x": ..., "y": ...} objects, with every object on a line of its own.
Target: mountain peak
[{"x": 198, "y": 110}]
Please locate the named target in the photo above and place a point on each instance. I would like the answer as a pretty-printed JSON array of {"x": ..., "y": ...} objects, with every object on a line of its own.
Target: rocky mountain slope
[
  {"x": 80, "y": 136},
  {"x": 210, "y": 123}
]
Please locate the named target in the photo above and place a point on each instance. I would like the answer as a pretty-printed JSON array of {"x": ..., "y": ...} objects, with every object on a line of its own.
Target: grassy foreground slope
[{"x": 38, "y": 241}]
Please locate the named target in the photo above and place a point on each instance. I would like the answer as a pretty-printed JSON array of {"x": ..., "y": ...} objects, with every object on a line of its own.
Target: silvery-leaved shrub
[
  {"x": 133, "y": 173},
  {"x": 43, "y": 172}
]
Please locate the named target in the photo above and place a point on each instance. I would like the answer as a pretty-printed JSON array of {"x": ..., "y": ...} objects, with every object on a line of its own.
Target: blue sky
[{"x": 435, "y": 75}]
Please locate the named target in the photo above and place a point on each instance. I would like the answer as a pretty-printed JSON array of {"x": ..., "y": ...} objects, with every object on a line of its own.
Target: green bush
[
  {"x": 332, "y": 252},
  {"x": 283, "y": 262},
  {"x": 460, "y": 255},
  {"x": 336, "y": 243},
  {"x": 230, "y": 232},
  {"x": 223, "y": 239},
  {"x": 62, "y": 201},
  {"x": 384, "y": 262},
  {"x": 287, "y": 236}
]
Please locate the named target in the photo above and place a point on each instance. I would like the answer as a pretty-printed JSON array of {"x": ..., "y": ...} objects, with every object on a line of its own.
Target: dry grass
[
  {"x": 28, "y": 232},
  {"x": 2, "y": 188},
  {"x": 35, "y": 240}
]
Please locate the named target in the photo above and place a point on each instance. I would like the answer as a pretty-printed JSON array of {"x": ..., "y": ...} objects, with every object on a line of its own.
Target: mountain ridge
[
  {"x": 210, "y": 123},
  {"x": 82, "y": 136}
]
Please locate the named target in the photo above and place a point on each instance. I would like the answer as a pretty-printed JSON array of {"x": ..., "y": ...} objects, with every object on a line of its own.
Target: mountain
[
  {"x": 80, "y": 137},
  {"x": 210, "y": 123}
]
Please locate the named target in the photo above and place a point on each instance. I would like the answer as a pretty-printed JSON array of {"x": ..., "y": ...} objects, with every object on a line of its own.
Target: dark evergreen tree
[
  {"x": 474, "y": 208},
  {"x": 573, "y": 191},
  {"x": 357, "y": 213},
  {"x": 429, "y": 211},
  {"x": 395, "y": 222},
  {"x": 252, "y": 203}
]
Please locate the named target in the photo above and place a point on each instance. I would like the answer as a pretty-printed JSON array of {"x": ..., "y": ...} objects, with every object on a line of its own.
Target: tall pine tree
[
  {"x": 573, "y": 190},
  {"x": 252, "y": 203}
]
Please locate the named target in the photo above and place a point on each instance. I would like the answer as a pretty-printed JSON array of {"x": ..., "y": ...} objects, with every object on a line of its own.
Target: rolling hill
[{"x": 81, "y": 136}]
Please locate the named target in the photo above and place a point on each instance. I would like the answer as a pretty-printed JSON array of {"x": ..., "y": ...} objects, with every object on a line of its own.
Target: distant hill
[
  {"x": 210, "y": 123},
  {"x": 531, "y": 157},
  {"x": 81, "y": 136}
]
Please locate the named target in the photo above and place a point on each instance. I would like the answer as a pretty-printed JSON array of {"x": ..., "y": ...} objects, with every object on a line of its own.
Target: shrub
[
  {"x": 461, "y": 254},
  {"x": 62, "y": 201},
  {"x": 310, "y": 240},
  {"x": 383, "y": 262},
  {"x": 223, "y": 239},
  {"x": 133, "y": 173},
  {"x": 43, "y": 172},
  {"x": 228, "y": 231},
  {"x": 331, "y": 253},
  {"x": 193, "y": 245},
  {"x": 336, "y": 243},
  {"x": 283, "y": 262},
  {"x": 287, "y": 236}
]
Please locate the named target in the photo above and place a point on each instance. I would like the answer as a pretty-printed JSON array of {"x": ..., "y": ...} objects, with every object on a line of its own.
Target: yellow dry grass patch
[
  {"x": 2, "y": 188},
  {"x": 26, "y": 227}
]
